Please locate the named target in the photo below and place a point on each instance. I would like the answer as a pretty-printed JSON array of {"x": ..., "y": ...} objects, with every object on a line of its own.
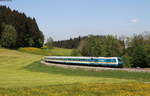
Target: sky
[{"x": 64, "y": 19}]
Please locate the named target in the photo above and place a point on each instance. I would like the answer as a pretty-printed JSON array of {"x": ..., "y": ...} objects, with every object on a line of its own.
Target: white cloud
[{"x": 135, "y": 20}]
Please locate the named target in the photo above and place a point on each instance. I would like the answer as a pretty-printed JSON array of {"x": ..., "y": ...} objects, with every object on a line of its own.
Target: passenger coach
[{"x": 100, "y": 61}]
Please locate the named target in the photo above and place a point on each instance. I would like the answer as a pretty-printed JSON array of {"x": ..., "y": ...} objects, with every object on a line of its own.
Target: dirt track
[{"x": 97, "y": 68}]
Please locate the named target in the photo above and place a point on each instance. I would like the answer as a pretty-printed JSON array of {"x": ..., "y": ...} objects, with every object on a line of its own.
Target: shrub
[{"x": 126, "y": 61}]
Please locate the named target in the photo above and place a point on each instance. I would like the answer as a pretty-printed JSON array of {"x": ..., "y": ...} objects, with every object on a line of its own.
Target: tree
[
  {"x": 146, "y": 36},
  {"x": 138, "y": 57},
  {"x": 70, "y": 43},
  {"x": 49, "y": 43},
  {"x": 28, "y": 32},
  {"x": 9, "y": 36},
  {"x": 111, "y": 46},
  {"x": 101, "y": 46},
  {"x": 138, "y": 50},
  {"x": 31, "y": 42},
  {"x": 83, "y": 48}
]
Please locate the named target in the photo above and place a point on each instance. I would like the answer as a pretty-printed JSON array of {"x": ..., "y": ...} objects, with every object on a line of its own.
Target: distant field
[
  {"x": 21, "y": 74},
  {"x": 54, "y": 51}
]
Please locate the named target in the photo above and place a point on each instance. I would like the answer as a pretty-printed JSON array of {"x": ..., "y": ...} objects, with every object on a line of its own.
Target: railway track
[{"x": 96, "y": 68}]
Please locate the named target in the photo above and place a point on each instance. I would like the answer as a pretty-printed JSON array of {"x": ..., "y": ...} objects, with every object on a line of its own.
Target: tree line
[
  {"x": 18, "y": 30},
  {"x": 134, "y": 50},
  {"x": 70, "y": 44}
]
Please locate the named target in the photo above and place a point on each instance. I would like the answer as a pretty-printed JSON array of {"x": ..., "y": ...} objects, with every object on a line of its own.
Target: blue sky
[{"x": 62, "y": 19}]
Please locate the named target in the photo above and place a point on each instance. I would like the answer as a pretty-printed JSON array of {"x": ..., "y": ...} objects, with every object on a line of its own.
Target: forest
[{"x": 18, "y": 30}]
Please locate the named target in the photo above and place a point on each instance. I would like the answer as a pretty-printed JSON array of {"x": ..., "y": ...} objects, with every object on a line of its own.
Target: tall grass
[{"x": 77, "y": 89}]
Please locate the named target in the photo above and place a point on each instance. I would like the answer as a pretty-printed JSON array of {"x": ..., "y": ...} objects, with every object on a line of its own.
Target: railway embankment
[{"x": 96, "y": 68}]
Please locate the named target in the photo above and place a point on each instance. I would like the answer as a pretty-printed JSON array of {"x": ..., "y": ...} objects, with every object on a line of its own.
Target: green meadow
[
  {"x": 47, "y": 52},
  {"x": 22, "y": 74}
]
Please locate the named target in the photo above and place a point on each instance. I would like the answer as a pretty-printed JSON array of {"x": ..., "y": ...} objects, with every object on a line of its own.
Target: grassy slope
[
  {"x": 54, "y": 51},
  {"x": 14, "y": 72},
  {"x": 21, "y": 74},
  {"x": 138, "y": 76},
  {"x": 61, "y": 52}
]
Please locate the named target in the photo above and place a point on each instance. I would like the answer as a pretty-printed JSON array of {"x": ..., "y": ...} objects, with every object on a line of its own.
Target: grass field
[
  {"x": 54, "y": 51},
  {"x": 21, "y": 74}
]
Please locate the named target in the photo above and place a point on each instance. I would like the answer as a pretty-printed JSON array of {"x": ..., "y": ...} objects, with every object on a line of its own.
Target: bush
[{"x": 126, "y": 61}]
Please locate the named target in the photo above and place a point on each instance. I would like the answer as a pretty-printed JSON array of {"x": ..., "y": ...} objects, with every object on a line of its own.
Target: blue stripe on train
[
  {"x": 102, "y": 64},
  {"x": 92, "y": 60}
]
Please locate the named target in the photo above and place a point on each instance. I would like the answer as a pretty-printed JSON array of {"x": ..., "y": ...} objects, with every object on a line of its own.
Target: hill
[
  {"x": 22, "y": 74},
  {"x": 15, "y": 73}
]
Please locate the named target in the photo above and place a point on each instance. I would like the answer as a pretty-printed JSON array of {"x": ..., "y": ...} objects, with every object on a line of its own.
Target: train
[{"x": 94, "y": 61}]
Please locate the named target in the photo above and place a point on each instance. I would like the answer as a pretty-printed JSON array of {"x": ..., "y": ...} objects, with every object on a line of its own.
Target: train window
[
  {"x": 107, "y": 60},
  {"x": 113, "y": 60}
]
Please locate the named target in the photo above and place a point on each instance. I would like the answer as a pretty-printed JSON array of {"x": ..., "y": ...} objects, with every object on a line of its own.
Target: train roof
[{"x": 80, "y": 57}]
